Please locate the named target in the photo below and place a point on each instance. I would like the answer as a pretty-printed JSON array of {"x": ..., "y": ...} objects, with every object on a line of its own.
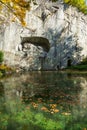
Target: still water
[{"x": 43, "y": 101}]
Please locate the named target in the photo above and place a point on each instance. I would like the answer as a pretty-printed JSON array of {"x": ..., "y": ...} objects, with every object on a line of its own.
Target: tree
[
  {"x": 1, "y": 57},
  {"x": 80, "y": 4},
  {"x": 11, "y": 10}
]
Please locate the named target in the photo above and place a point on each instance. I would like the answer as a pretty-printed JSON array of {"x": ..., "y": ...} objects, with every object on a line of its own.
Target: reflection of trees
[
  {"x": 2, "y": 96},
  {"x": 66, "y": 91},
  {"x": 57, "y": 87},
  {"x": 62, "y": 89},
  {"x": 78, "y": 121},
  {"x": 83, "y": 94},
  {"x": 1, "y": 89},
  {"x": 79, "y": 112}
]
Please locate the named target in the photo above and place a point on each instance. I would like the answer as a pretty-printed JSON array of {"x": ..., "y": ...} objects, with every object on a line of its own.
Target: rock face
[{"x": 61, "y": 25}]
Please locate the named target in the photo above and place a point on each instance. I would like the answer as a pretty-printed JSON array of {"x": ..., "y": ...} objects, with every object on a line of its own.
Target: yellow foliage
[
  {"x": 1, "y": 7},
  {"x": 4, "y": 67},
  {"x": 80, "y": 4},
  {"x": 23, "y": 23},
  {"x": 66, "y": 1},
  {"x": 16, "y": 7},
  {"x": 13, "y": 19},
  {"x": 5, "y": 1}
]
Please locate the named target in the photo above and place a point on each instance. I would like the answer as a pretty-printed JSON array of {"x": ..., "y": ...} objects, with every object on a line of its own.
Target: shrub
[
  {"x": 1, "y": 57},
  {"x": 1, "y": 74}
]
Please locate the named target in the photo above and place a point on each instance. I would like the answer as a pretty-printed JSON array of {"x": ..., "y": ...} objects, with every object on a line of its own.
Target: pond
[{"x": 43, "y": 101}]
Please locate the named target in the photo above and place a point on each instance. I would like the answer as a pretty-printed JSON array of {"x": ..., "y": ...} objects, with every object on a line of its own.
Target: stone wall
[{"x": 65, "y": 28}]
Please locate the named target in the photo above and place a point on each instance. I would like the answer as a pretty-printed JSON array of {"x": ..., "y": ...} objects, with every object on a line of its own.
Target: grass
[{"x": 81, "y": 66}]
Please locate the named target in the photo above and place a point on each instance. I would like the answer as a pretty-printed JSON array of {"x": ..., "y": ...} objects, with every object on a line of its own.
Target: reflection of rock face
[
  {"x": 60, "y": 89},
  {"x": 79, "y": 111},
  {"x": 63, "y": 26},
  {"x": 83, "y": 94}
]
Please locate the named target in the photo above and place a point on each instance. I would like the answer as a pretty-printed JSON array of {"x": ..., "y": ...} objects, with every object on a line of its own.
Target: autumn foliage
[
  {"x": 11, "y": 10},
  {"x": 15, "y": 10},
  {"x": 80, "y": 4}
]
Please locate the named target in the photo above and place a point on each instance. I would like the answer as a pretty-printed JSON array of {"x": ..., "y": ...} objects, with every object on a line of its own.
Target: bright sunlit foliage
[
  {"x": 80, "y": 4},
  {"x": 10, "y": 10}
]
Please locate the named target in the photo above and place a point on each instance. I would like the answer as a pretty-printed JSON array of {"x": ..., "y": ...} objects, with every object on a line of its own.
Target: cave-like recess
[{"x": 37, "y": 41}]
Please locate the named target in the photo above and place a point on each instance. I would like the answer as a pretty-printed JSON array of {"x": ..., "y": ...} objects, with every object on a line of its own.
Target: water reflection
[{"x": 43, "y": 101}]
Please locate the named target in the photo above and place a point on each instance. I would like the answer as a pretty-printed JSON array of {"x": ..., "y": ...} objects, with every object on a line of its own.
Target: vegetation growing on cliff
[
  {"x": 80, "y": 4},
  {"x": 4, "y": 69},
  {"x": 81, "y": 66},
  {"x": 11, "y": 10},
  {"x": 1, "y": 57}
]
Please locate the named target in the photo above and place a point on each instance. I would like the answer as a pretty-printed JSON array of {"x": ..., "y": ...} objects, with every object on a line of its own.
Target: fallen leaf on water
[
  {"x": 56, "y": 110},
  {"x": 51, "y": 100},
  {"x": 39, "y": 100},
  {"x": 84, "y": 129},
  {"x": 35, "y": 105},
  {"x": 66, "y": 114},
  {"x": 53, "y": 105},
  {"x": 45, "y": 109},
  {"x": 52, "y": 112},
  {"x": 27, "y": 107}
]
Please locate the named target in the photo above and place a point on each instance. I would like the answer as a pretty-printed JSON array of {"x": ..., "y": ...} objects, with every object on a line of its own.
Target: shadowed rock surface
[{"x": 37, "y": 41}]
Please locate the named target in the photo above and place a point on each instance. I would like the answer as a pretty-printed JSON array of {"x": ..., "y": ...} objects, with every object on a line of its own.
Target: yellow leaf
[
  {"x": 56, "y": 110},
  {"x": 45, "y": 109},
  {"x": 84, "y": 129},
  {"x": 53, "y": 105},
  {"x": 66, "y": 114}
]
